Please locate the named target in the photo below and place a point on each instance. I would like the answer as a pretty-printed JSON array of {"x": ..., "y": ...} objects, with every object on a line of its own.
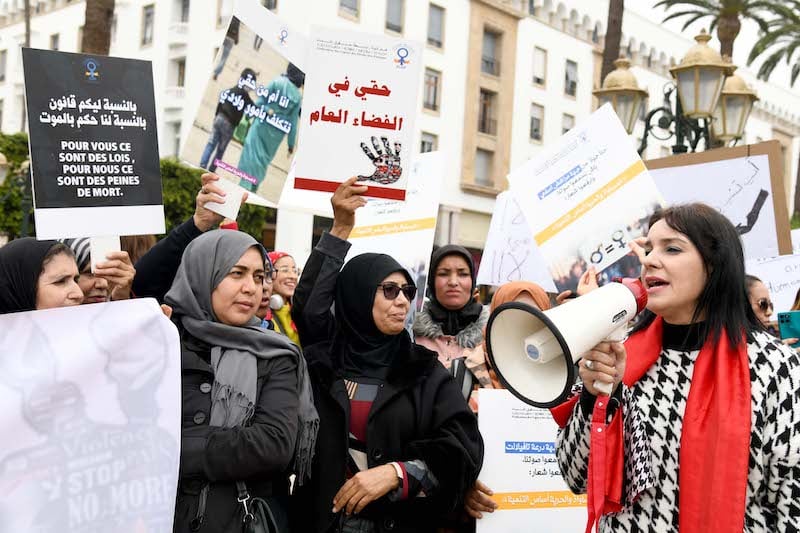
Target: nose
[
  {"x": 100, "y": 283},
  {"x": 249, "y": 285},
  {"x": 651, "y": 260},
  {"x": 452, "y": 280},
  {"x": 75, "y": 293}
]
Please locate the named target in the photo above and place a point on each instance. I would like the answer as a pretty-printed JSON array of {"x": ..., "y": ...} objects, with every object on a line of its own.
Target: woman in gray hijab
[{"x": 248, "y": 414}]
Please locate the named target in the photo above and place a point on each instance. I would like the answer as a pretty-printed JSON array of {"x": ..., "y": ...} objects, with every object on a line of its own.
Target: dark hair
[
  {"x": 796, "y": 304},
  {"x": 724, "y": 301},
  {"x": 57, "y": 249},
  {"x": 749, "y": 281},
  {"x": 295, "y": 75},
  {"x": 247, "y": 71}
]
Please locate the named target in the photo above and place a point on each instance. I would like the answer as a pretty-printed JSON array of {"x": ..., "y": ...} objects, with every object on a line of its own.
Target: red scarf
[{"x": 715, "y": 441}]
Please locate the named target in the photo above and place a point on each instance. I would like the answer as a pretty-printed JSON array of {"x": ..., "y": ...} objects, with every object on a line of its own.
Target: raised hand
[{"x": 385, "y": 159}]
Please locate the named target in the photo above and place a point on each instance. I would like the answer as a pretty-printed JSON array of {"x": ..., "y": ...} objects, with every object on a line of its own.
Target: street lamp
[
  {"x": 733, "y": 109},
  {"x": 698, "y": 81},
  {"x": 699, "y": 78},
  {"x": 621, "y": 90}
]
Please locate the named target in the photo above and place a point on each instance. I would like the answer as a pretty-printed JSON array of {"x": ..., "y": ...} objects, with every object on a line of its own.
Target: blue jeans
[
  {"x": 221, "y": 134},
  {"x": 227, "y": 44}
]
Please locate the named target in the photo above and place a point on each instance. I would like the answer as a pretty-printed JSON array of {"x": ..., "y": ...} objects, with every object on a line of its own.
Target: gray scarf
[{"x": 235, "y": 350}]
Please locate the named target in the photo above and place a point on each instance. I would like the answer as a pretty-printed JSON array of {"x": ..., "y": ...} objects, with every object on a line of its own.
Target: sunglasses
[
  {"x": 764, "y": 304},
  {"x": 392, "y": 291}
]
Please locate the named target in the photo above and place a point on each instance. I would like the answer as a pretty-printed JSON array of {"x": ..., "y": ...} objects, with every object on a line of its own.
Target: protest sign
[
  {"x": 585, "y": 198},
  {"x": 92, "y": 397},
  {"x": 510, "y": 253},
  {"x": 744, "y": 183},
  {"x": 781, "y": 275},
  {"x": 250, "y": 104},
  {"x": 93, "y": 145},
  {"x": 796, "y": 241},
  {"x": 361, "y": 103},
  {"x": 404, "y": 230},
  {"x": 520, "y": 467}
]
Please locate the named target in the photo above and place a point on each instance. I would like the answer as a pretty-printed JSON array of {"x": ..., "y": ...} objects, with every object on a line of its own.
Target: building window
[
  {"x": 54, "y": 40},
  {"x": 537, "y": 122},
  {"x": 3, "y": 58},
  {"x": 532, "y": 8},
  {"x": 490, "y": 62},
  {"x": 567, "y": 123},
  {"x": 483, "y": 167},
  {"x": 80, "y": 38},
  {"x": 1, "y": 114},
  {"x": 432, "y": 89},
  {"x": 114, "y": 28},
  {"x": 596, "y": 35},
  {"x": 394, "y": 15},
  {"x": 349, "y": 7},
  {"x": 185, "y": 10},
  {"x": 486, "y": 121},
  {"x": 272, "y": 5},
  {"x": 435, "y": 25},
  {"x": 571, "y": 78},
  {"x": 539, "y": 66},
  {"x": 148, "y": 21},
  {"x": 428, "y": 143},
  {"x": 180, "y": 72}
]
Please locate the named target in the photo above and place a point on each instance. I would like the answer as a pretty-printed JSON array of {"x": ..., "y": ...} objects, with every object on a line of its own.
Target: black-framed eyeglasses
[
  {"x": 392, "y": 291},
  {"x": 765, "y": 304}
]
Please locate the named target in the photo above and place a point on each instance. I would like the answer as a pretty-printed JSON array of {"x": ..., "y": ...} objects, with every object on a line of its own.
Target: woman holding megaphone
[{"x": 703, "y": 427}]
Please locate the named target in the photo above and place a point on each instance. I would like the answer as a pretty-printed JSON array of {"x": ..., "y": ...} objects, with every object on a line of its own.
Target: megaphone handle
[{"x": 618, "y": 335}]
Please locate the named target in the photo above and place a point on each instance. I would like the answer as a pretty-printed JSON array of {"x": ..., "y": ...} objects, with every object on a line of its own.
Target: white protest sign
[
  {"x": 585, "y": 198},
  {"x": 91, "y": 400},
  {"x": 360, "y": 104},
  {"x": 404, "y": 230},
  {"x": 510, "y": 253},
  {"x": 248, "y": 115},
  {"x": 229, "y": 208},
  {"x": 520, "y": 467},
  {"x": 739, "y": 188},
  {"x": 796, "y": 241},
  {"x": 781, "y": 275}
]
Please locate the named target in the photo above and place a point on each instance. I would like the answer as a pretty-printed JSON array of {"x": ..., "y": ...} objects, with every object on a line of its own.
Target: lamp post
[
  {"x": 735, "y": 103},
  {"x": 622, "y": 91},
  {"x": 698, "y": 84}
]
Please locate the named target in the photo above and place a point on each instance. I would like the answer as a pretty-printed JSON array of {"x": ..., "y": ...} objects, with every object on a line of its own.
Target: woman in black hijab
[
  {"x": 398, "y": 445},
  {"x": 37, "y": 275}
]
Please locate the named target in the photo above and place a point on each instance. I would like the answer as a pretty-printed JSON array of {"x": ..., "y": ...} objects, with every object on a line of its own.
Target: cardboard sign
[
  {"x": 744, "y": 183},
  {"x": 91, "y": 400},
  {"x": 359, "y": 112},
  {"x": 585, "y": 198},
  {"x": 781, "y": 275},
  {"x": 93, "y": 145},
  {"x": 520, "y": 467},
  {"x": 247, "y": 122}
]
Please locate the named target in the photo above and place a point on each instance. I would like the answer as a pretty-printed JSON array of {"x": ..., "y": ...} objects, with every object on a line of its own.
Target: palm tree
[
  {"x": 726, "y": 16},
  {"x": 782, "y": 40},
  {"x": 616, "y": 8},
  {"x": 99, "y": 16}
]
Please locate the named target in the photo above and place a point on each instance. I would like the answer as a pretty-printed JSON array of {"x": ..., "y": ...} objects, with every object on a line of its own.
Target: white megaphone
[{"x": 534, "y": 352}]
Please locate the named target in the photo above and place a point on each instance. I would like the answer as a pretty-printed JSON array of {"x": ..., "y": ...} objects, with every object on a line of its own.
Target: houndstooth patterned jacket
[{"x": 653, "y": 412}]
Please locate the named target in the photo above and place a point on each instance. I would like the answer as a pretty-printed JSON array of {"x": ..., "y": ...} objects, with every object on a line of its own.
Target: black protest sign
[{"x": 93, "y": 139}]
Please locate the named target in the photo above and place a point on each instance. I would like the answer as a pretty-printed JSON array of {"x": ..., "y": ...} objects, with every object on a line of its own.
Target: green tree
[
  {"x": 726, "y": 16},
  {"x": 782, "y": 40},
  {"x": 15, "y": 148},
  {"x": 180, "y": 184}
]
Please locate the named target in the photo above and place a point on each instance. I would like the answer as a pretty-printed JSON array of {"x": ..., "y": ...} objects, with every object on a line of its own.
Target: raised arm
[
  {"x": 156, "y": 269},
  {"x": 314, "y": 295}
]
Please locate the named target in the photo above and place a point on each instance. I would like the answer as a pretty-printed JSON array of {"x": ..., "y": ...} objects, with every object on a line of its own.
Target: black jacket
[
  {"x": 419, "y": 413},
  {"x": 156, "y": 270},
  {"x": 231, "y": 113},
  {"x": 258, "y": 454}
]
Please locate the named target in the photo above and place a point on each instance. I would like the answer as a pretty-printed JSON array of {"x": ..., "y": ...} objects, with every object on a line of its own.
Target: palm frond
[
  {"x": 795, "y": 72},
  {"x": 769, "y": 64},
  {"x": 693, "y": 20}
]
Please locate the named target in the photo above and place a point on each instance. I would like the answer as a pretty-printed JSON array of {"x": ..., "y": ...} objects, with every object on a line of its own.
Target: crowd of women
[{"x": 306, "y": 397}]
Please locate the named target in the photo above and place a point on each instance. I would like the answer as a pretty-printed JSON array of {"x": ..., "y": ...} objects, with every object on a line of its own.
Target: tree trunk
[
  {"x": 797, "y": 192},
  {"x": 97, "y": 27},
  {"x": 727, "y": 30},
  {"x": 27, "y": 45},
  {"x": 613, "y": 36}
]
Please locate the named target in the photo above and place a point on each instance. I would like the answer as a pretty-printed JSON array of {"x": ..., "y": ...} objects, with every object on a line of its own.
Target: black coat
[
  {"x": 258, "y": 454},
  {"x": 419, "y": 413}
]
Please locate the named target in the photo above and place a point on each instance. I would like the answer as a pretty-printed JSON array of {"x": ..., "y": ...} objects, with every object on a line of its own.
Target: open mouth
[{"x": 653, "y": 282}]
